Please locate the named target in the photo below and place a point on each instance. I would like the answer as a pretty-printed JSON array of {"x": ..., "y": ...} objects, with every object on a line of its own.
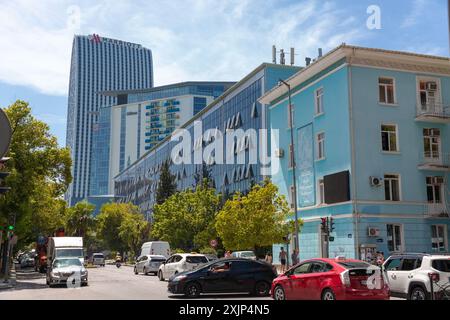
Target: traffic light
[
  {"x": 324, "y": 224},
  {"x": 3, "y": 175},
  {"x": 331, "y": 224}
]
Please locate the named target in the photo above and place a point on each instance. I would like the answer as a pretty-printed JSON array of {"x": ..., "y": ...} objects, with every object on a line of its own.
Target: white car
[
  {"x": 409, "y": 275},
  {"x": 244, "y": 254},
  {"x": 179, "y": 263},
  {"x": 148, "y": 264},
  {"x": 98, "y": 259}
]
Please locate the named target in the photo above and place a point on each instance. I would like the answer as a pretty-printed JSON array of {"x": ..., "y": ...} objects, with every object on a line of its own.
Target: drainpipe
[{"x": 353, "y": 160}]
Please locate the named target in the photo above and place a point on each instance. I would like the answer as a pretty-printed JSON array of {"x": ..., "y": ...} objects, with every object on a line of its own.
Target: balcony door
[
  {"x": 429, "y": 96},
  {"x": 432, "y": 145}
]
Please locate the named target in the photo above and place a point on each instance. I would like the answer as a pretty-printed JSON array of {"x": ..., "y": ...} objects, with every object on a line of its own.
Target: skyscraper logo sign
[{"x": 95, "y": 38}]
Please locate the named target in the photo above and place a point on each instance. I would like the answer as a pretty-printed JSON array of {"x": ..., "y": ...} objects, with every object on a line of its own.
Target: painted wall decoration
[{"x": 305, "y": 161}]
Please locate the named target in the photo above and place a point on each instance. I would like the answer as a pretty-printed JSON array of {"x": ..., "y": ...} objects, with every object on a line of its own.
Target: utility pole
[{"x": 292, "y": 154}]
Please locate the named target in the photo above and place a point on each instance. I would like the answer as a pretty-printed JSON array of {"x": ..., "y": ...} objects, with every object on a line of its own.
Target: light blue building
[{"x": 372, "y": 150}]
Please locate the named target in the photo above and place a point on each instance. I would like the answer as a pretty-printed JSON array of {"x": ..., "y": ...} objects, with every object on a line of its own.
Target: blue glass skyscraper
[{"x": 98, "y": 64}]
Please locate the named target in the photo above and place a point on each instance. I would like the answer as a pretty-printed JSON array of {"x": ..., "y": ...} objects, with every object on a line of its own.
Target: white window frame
[
  {"x": 321, "y": 192},
  {"x": 402, "y": 237},
  {"x": 319, "y": 107},
  {"x": 445, "y": 238},
  {"x": 400, "y": 196},
  {"x": 320, "y": 146},
  {"x": 441, "y": 190},
  {"x": 394, "y": 88},
  {"x": 397, "y": 143},
  {"x": 428, "y": 79}
]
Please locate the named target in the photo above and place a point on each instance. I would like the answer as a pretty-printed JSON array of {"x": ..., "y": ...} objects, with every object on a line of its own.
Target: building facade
[
  {"x": 143, "y": 118},
  {"x": 98, "y": 64},
  {"x": 238, "y": 110},
  {"x": 372, "y": 151}
]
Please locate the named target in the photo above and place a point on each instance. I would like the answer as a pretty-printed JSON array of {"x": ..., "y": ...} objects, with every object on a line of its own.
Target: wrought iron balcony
[
  {"x": 436, "y": 210},
  {"x": 433, "y": 112}
]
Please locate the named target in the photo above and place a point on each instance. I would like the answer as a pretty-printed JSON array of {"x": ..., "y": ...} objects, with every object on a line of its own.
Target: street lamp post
[{"x": 292, "y": 155}]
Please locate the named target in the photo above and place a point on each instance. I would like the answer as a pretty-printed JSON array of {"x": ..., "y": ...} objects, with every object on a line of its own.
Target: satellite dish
[{"x": 5, "y": 133}]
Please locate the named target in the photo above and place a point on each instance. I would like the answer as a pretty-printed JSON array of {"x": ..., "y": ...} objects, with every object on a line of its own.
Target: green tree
[
  {"x": 255, "y": 220},
  {"x": 40, "y": 174},
  {"x": 134, "y": 230},
  {"x": 80, "y": 219},
  {"x": 187, "y": 219},
  {"x": 167, "y": 185}
]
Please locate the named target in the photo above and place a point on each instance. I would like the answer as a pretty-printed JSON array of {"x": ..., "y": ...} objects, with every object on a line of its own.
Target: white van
[{"x": 161, "y": 248}]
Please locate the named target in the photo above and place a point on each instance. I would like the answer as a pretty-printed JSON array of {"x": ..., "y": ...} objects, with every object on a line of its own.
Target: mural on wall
[{"x": 306, "y": 167}]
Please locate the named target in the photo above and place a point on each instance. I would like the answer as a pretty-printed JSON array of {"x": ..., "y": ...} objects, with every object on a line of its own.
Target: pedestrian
[
  {"x": 269, "y": 258},
  {"x": 282, "y": 257},
  {"x": 380, "y": 258},
  {"x": 294, "y": 257}
]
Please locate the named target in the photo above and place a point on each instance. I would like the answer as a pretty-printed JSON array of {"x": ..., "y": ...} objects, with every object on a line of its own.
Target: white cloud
[
  {"x": 417, "y": 10},
  {"x": 190, "y": 39}
]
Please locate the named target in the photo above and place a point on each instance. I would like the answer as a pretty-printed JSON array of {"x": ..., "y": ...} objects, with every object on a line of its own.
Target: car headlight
[
  {"x": 55, "y": 274},
  {"x": 179, "y": 278},
  {"x": 84, "y": 272}
]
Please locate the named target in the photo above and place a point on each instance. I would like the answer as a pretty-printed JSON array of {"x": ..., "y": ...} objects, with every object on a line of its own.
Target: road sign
[
  {"x": 5, "y": 133},
  {"x": 213, "y": 243}
]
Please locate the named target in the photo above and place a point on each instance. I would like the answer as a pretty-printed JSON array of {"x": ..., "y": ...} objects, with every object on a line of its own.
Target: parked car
[
  {"x": 62, "y": 268},
  {"x": 179, "y": 263},
  {"x": 230, "y": 275},
  {"x": 27, "y": 260},
  {"x": 148, "y": 264},
  {"x": 244, "y": 254},
  {"x": 98, "y": 259},
  {"x": 331, "y": 279},
  {"x": 408, "y": 275}
]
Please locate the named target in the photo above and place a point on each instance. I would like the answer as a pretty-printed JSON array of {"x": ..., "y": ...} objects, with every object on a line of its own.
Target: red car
[{"x": 331, "y": 279}]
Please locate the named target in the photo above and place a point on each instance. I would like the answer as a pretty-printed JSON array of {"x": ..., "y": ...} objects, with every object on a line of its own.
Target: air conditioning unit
[
  {"x": 376, "y": 181},
  {"x": 374, "y": 232},
  {"x": 432, "y": 86},
  {"x": 279, "y": 153}
]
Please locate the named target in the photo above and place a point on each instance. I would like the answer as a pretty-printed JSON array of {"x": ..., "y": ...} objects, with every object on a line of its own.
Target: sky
[{"x": 215, "y": 40}]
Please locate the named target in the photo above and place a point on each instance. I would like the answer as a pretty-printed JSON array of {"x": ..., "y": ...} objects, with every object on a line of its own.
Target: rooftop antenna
[
  {"x": 308, "y": 61},
  {"x": 282, "y": 57},
  {"x": 320, "y": 53},
  {"x": 274, "y": 54},
  {"x": 293, "y": 55}
]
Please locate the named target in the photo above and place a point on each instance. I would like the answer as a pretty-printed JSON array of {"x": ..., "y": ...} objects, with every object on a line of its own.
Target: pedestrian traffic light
[
  {"x": 331, "y": 224},
  {"x": 324, "y": 224}
]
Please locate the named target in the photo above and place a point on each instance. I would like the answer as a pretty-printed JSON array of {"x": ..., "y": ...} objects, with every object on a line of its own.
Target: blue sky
[{"x": 195, "y": 39}]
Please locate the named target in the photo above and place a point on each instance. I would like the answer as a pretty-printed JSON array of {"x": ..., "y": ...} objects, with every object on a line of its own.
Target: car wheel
[
  {"x": 418, "y": 293},
  {"x": 160, "y": 276},
  {"x": 262, "y": 289},
  {"x": 135, "y": 270},
  {"x": 328, "y": 294},
  {"x": 192, "y": 290},
  {"x": 278, "y": 293}
]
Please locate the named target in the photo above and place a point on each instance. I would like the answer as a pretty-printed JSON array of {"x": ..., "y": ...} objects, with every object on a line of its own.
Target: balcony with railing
[
  {"x": 433, "y": 112},
  {"x": 434, "y": 161},
  {"x": 436, "y": 210}
]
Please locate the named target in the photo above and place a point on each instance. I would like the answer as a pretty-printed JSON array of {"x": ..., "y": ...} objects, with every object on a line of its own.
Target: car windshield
[
  {"x": 442, "y": 265},
  {"x": 196, "y": 259},
  {"x": 66, "y": 263},
  {"x": 98, "y": 256},
  {"x": 247, "y": 254},
  {"x": 67, "y": 253},
  {"x": 354, "y": 264},
  {"x": 157, "y": 259}
]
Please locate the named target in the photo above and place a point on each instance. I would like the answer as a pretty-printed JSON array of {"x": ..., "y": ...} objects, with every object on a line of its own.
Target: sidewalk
[{"x": 11, "y": 281}]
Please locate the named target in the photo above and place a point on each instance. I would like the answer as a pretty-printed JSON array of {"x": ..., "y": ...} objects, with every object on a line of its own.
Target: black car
[{"x": 232, "y": 275}]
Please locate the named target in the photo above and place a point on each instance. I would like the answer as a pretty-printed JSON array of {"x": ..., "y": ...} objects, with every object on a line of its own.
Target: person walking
[
  {"x": 294, "y": 257},
  {"x": 269, "y": 258},
  {"x": 283, "y": 256}
]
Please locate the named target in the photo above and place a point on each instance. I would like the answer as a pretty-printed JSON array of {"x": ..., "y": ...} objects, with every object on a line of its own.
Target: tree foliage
[
  {"x": 40, "y": 174},
  {"x": 122, "y": 227},
  {"x": 167, "y": 185},
  {"x": 187, "y": 219},
  {"x": 255, "y": 220},
  {"x": 80, "y": 220}
]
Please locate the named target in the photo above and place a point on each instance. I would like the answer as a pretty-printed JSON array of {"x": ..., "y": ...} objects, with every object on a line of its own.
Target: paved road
[{"x": 107, "y": 283}]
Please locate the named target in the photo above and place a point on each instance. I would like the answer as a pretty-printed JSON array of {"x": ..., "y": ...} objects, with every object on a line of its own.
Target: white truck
[
  {"x": 161, "y": 248},
  {"x": 64, "y": 247}
]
